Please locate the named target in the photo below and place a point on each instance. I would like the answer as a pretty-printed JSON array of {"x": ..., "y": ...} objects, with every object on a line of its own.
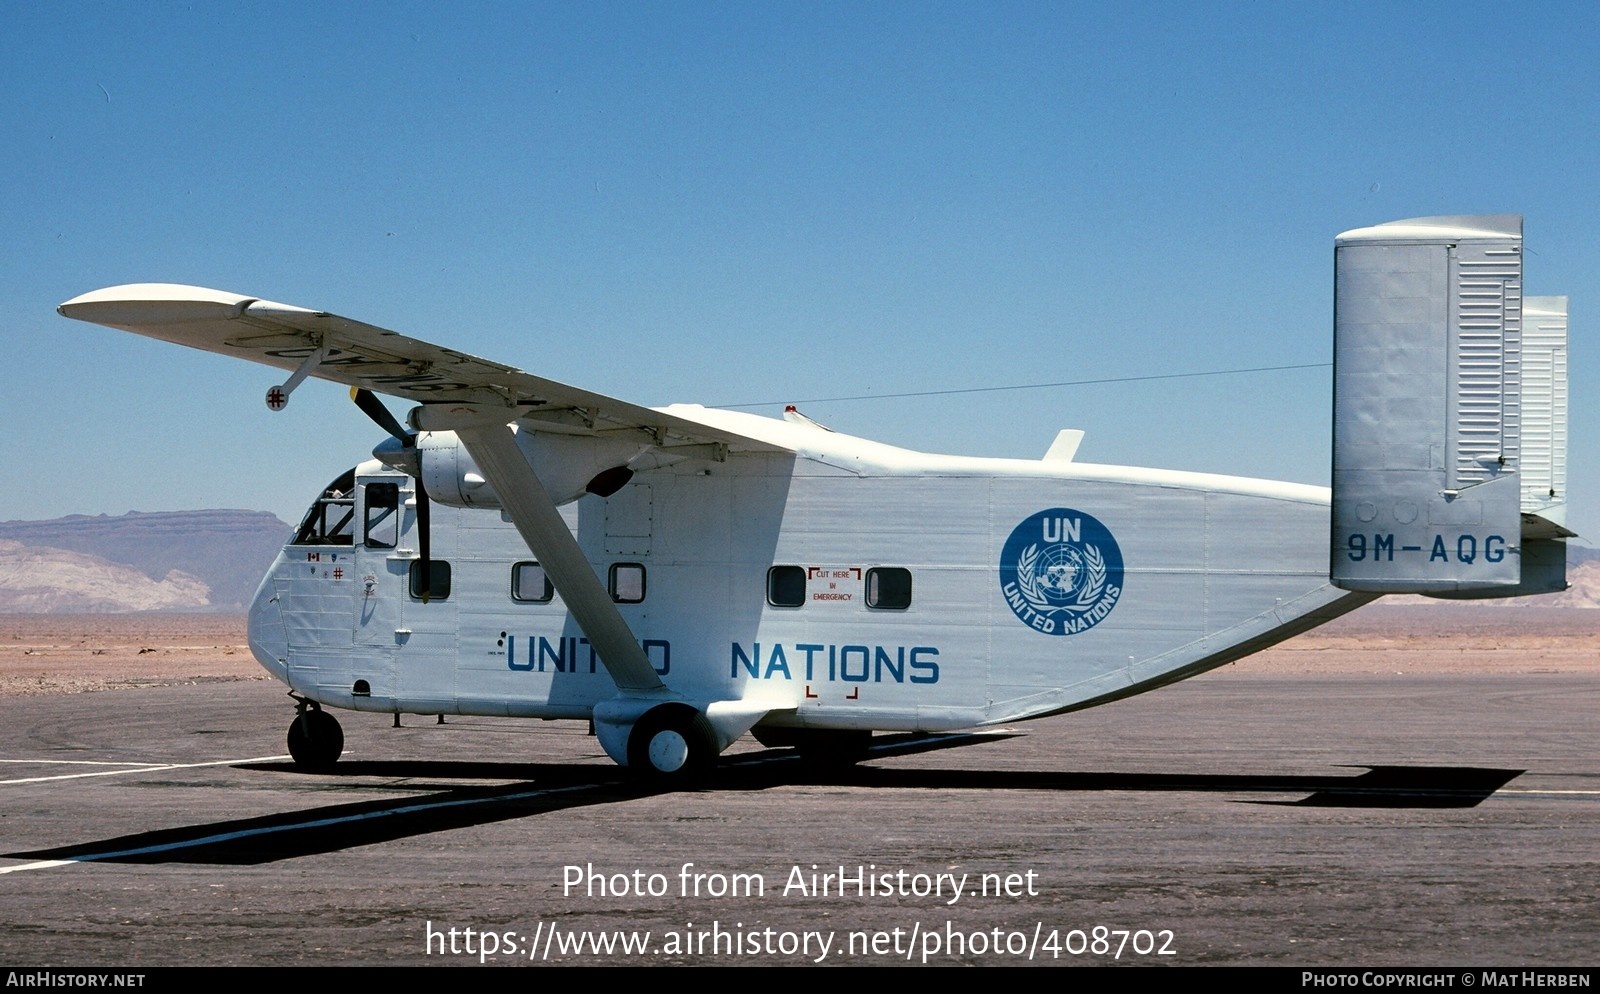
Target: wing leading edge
[{"x": 383, "y": 361}]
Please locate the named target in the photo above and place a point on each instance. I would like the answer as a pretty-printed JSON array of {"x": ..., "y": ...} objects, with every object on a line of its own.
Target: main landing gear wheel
[
  {"x": 671, "y": 744},
  {"x": 315, "y": 738}
]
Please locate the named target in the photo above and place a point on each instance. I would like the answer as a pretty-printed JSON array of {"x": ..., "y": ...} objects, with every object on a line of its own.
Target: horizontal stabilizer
[{"x": 1430, "y": 427}]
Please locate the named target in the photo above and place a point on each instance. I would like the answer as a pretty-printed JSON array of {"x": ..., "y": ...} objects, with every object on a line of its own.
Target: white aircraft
[{"x": 680, "y": 576}]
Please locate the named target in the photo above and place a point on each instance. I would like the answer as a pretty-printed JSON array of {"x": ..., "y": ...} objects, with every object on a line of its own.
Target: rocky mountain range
[{"x": 155, "y": 561}]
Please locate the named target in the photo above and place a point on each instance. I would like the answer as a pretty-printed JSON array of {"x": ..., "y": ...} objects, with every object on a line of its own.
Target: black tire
[
  {"x": 671, "y": 744},
  {"x": 315, "y": 739}
]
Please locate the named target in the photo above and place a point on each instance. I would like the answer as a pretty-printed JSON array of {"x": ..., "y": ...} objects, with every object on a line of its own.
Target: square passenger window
[
  {"x": 438, "y": 579},
  {"x": 889, "y": 587},
  {"x": 786, "y": 586},
  {"x": 627, "y": 583},
  {"x": 529, "y": 583}
]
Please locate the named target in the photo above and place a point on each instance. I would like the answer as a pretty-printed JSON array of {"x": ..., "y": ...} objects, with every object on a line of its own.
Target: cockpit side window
[{"x": 381, "y": 524}]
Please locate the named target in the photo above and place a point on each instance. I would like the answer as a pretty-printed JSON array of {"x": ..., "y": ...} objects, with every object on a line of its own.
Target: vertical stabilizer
[{"x": 1427, "y": 426}]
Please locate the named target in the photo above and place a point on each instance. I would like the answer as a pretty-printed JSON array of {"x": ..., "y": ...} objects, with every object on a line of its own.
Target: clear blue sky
[{"x": 761, "y": 202}]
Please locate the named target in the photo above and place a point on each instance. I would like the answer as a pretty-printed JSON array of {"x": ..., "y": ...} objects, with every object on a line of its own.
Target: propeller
[
  {"x": 374, "y": 409},
  {"x": 411, "y": 461}
]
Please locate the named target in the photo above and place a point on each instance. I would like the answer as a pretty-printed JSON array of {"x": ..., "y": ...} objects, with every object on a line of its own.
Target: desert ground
[{"x": 75, "y": 653}]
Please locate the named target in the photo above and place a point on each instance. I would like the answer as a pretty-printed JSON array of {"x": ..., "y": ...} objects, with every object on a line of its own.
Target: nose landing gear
[{"x": 315, "y": 738}]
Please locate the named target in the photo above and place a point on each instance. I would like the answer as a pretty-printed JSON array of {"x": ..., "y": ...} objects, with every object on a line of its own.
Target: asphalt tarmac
[{"x": 1379, "y": 820}]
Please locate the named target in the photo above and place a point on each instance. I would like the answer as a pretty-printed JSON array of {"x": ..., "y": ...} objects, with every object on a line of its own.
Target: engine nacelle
[{"x": 568, "y": 465}]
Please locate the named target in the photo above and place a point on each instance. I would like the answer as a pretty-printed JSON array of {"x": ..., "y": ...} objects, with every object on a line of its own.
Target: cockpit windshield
[{"x": 331, "y": 520}]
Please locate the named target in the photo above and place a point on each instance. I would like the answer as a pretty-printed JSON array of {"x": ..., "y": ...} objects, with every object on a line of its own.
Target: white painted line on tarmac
[
  {"x": 121, "y": 769},
  {"x": 73, "y": 762}
]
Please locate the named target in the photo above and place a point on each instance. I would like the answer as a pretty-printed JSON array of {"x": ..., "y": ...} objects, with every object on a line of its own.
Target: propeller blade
[{"x": 373, "y": 408}]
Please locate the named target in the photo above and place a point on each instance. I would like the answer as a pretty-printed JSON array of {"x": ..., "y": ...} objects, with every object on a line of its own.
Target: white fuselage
[{"x": 1016, "y": 608}]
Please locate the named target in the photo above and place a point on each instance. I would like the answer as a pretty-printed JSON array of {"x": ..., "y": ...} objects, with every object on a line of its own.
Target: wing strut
[
  {"x": 278, "y": 396},
  {"x": 494, "y": 449}
]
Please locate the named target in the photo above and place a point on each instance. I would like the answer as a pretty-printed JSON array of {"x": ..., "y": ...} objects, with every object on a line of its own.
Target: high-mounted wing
[
  {"x": 478, "y": 400},
  {"x": 372, "y": 358}
]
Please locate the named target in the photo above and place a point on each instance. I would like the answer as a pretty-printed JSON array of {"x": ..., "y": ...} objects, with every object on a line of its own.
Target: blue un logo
[{"x": 1061, "y": 571}]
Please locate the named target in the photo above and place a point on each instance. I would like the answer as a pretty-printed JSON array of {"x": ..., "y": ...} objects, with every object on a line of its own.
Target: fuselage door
[{"x": 380, "y": 567}]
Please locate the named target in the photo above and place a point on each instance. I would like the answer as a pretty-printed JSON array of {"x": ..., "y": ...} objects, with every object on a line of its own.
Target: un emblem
[{"x": 1061, "y": 571}]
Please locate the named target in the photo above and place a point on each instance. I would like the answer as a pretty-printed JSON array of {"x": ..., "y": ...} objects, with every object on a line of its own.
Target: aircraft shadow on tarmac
[{"x": 441, "y": 803}]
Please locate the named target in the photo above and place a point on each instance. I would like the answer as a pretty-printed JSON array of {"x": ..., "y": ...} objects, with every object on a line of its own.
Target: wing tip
[{"x": 159, "y": 303}]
